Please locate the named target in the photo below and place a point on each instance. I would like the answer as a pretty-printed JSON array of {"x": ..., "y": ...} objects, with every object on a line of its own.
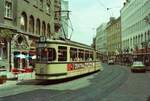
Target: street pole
[{"x": 10, "y": 67}]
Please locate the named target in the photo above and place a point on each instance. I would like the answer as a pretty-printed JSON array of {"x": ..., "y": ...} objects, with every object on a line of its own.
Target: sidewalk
[{"x": 21, "y": 76}]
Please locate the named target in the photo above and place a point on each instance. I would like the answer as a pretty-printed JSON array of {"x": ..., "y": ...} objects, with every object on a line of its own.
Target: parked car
[
  {"x": 110, "y": 61},
  {"x": 138, "y": 66}
]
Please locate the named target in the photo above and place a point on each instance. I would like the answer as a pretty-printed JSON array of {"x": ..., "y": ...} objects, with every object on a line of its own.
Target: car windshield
[{"x": 138, "y": 63}]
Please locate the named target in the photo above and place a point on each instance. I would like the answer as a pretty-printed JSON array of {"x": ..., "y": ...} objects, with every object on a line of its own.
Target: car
[
  {"x": 110, "y": 61},
  {"x": 138, "y": 66}
]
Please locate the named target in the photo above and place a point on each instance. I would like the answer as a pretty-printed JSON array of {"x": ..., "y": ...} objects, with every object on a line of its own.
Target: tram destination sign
[
  {"x": 42, "y": 45},
  {"x": 43, "y": 39}
]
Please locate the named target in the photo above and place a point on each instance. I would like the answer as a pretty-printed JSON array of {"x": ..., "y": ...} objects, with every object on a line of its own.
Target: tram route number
[{"x": 79, "y": 66}]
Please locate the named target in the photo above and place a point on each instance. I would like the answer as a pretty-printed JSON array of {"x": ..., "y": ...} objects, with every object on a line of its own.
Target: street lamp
[{"x": 145, "y": 46}]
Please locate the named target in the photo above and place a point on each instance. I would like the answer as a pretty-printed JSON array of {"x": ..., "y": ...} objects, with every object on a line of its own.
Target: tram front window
[{"x": 46, "y": 54}]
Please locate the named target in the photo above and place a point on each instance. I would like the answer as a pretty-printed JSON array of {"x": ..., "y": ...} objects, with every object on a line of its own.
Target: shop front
[{"x": 23, "y": 54}]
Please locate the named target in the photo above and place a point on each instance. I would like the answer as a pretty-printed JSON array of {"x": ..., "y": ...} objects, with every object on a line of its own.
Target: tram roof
[{"x": 67, "y": 42}]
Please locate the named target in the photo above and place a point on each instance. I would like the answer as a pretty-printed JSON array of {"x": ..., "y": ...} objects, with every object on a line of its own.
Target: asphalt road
[{"x": 114, "y": 83}]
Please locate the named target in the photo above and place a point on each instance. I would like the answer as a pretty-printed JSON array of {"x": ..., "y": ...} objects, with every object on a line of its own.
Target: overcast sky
[{"x": 87, "y": 15}]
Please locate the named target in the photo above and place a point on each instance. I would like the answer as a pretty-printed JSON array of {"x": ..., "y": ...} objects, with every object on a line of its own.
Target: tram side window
[
  {"x": 91, "y": 56},
  {"x": 81, "y": 54},
  {"x": 46, "y": 54},
  {"x": 62, "y": 53},
  {"x": 97, "y": 56},
  {"x": 51, "y": 54},
  {"x": 73, "y": 54},
  {"x": 86, "y": 55}
]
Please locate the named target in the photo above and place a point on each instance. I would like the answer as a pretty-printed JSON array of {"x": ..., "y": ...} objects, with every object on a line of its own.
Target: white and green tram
[{"x": 58, "y": 59}]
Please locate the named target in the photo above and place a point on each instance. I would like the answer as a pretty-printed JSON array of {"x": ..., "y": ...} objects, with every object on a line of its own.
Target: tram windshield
[{"x": 46, "y": 54}]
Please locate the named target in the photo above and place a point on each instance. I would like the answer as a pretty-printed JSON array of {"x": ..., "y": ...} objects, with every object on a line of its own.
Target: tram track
[
  {"x": 106, "y": 86},
  {"x": 101, "y": 84}
]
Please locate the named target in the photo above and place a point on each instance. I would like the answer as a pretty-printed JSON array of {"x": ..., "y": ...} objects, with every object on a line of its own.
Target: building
[
  {"x": 101, "y": 39},
  {"x": 57, "y": 18},
  {"x": 135, "y": 26},
  {"x": 23, "y": 22},
  {"x": 114, "y": 36},
  {"x": 64, "y": 18}
]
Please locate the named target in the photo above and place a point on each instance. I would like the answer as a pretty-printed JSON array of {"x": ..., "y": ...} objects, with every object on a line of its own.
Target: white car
[
  {"x": 110, "y": 61},
  {"x": 138, "y": 66}
]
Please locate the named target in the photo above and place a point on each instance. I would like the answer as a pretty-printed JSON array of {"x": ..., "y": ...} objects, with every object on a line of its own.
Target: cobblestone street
[{"x": 115, "y": 83}]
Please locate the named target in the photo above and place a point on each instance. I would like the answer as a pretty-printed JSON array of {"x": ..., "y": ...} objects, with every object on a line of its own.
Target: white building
[
  {"x": 135, "y": 24},
  {"x": 64, "y": 18},
  {"x": 101, "y": 41}
]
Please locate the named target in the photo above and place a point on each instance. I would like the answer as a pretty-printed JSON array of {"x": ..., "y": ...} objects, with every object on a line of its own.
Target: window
[
  {"x": 48, "y": 30},
  {"x": 48, "y": 8},
  {"x": 46, "y": 54},
  {"x": 73, "y": 54},
  {"x": 31, "y": 24},
  {"x": 16, "y": 60},
  {"x": 86, "y": 55},
  {"x": 38, "y": 26},
  {"x": 8, "y": 9},
  {"x": 62, "y": 53},
  {"x": 51, "y": 54},
  {"x": 81, "y": 55},
  {"x": 41, "y": 4},
  {"x": 43, "y": 28},
  {"x": 23, "y": 21},
  {"x": 91, "y": 56}
]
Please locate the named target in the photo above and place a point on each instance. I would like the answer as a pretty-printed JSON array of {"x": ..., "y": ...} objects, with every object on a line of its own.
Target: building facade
[
  {"x": 57, "y": 17},
  {"x": 114, "y": 36},
  {"x": 101, "y": 39},
  {"x": 23, "y": 22},
  {"x": 64, "y": 18},
  {"x": 135, "y": 22}
]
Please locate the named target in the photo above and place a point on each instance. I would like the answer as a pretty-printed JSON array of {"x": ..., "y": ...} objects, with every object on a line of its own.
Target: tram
[{"x": 60, "y": 59}]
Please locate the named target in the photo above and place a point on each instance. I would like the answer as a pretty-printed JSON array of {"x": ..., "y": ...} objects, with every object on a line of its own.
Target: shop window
[
  {"x": 62, "y": 53},
  {"x": 16, "y": 60},
  {"x": 24, "y": 60}
]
